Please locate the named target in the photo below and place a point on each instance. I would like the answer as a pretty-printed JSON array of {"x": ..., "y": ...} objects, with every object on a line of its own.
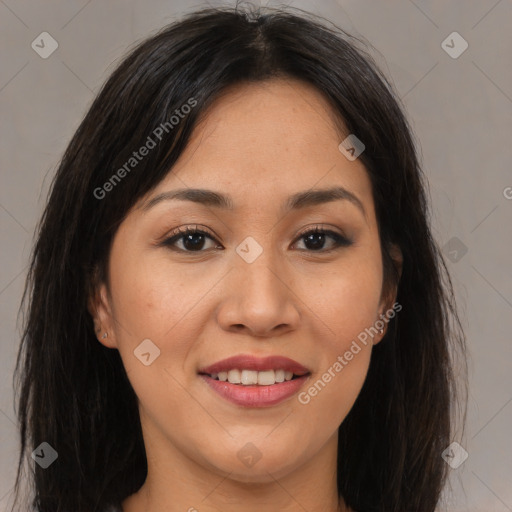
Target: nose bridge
[
  {"x": 256, "y": 269},
  {"x": 258, "y": 297}
]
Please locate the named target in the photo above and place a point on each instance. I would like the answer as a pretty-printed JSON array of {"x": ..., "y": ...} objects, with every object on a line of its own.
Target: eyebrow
[{"x": 295, "y": 202}]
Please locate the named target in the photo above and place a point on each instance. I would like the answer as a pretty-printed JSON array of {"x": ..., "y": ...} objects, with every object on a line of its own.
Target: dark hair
[{"x": 74, "y": 392}]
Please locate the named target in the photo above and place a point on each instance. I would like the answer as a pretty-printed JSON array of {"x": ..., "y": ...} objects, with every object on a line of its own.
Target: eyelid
[
  {"x": 176, "y": 234},
  {"x": 341, "y": 240},
  {"x": 319, "y": 228}
]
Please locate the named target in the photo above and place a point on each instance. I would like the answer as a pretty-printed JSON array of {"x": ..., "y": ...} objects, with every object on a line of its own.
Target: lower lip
[{"x": 256, "y": 396}]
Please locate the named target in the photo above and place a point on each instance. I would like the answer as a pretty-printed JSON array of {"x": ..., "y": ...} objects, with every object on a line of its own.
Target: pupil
[
  {"x": 319, "y": 238},
  {"x": 194, "y": 241}
]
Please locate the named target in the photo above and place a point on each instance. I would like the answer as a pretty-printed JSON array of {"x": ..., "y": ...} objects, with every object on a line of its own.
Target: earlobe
[
  {"x": 381, "y": 326},
  {"x": 100, "y": 310}
]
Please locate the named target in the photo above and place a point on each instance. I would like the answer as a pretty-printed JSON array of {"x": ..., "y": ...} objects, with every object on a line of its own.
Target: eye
[
  {"x": 315, "y": 239},
  {"x": 194, "y": 239},
  {"x": 191, "y": 239}
]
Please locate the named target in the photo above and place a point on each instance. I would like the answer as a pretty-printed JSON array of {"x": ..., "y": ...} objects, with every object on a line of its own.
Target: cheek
[
  {"x": 347, "y": 300},
  {"x": 154, "y": 301},
  {"x": 329, "y": 396},
  {"x": 152, "y": 304},
  {"x": 346, "y": 306}
]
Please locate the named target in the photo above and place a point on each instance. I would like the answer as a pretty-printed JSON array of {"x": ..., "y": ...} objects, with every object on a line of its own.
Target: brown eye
[
  {"x": 315, "y": 240},
  {"x": 190, "y": 239}
]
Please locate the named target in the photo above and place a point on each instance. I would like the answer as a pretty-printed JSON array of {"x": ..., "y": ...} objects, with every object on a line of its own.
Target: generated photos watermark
[
  {"x": 151, "y": 142},
  {"x": 343, "y": 360}
]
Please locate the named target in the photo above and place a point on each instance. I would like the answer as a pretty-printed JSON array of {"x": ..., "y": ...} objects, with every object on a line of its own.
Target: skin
[{"x": 259, "y": 143}]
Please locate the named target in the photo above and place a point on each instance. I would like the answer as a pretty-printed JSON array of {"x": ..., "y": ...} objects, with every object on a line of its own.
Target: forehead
[{"x": 267, "y": 138}]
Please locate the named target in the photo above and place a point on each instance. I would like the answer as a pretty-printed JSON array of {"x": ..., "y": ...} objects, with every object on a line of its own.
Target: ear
[
  {"x": 398, "y": 261},
  {"x": 388, "y": 299},
  {"x": 99, "y": 306}
]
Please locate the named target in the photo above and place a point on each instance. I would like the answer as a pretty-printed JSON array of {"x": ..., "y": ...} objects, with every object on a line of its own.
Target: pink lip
[
  {"x": 256, "y": 396},
  {"x": 249, "y": 362}
]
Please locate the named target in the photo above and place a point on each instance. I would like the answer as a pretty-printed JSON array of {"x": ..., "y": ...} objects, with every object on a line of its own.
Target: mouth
[
  {"x": 253, "y": 377},
  {"x": 255, "y": 382}
]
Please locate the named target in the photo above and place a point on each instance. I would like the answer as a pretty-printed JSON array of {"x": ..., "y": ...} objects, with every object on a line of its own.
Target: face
[{"x": 265, "y": 267}]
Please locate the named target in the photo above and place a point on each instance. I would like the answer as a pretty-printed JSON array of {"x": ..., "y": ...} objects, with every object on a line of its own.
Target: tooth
[
  {"x": 266, "y": 378},
  {"x": 234, "y": 376},
  {"x": 249, "y": 377},
  {"x": 252, "y": 377}
]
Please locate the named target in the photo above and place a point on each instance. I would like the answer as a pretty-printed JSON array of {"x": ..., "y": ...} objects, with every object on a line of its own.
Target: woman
[{"x": 235, "y": 300}]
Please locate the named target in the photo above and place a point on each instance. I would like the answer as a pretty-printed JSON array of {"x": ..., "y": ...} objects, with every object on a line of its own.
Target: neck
[{"x": 176, "y": 482}]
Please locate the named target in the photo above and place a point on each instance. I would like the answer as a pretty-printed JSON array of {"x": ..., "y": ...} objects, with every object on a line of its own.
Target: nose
[{"x": 258, "y": 299}]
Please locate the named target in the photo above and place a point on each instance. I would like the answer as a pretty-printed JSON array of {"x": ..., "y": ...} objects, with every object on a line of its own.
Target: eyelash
[{"x": 339, "y": 240}]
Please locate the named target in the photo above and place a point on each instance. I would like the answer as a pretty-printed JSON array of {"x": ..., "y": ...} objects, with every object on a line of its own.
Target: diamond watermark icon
[
  {"x": 146, "y": 352},
  {"x": 454, "y": 249},
  {"x": 249, "y": 249},
  {"x": 44, "y": 45},
  {"x": 249, "y": 455},
  {"x": 351, "y": 147},
  {"x": 454, "y": 455},
  {"x": 44, "y": 455},
  {"x": 454, "y": 45}
]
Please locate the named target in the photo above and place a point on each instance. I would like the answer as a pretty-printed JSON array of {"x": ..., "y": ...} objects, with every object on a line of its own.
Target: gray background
[{"x": 460, "y": 109}]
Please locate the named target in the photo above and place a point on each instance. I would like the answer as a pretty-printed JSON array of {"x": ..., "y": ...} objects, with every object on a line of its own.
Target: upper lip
[{"x": 250, "y": 362}]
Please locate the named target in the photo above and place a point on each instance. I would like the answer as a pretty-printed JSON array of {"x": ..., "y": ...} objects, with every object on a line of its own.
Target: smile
[
  {"x": 250, "y": 381},
  {"x": 252, "y": 377}
]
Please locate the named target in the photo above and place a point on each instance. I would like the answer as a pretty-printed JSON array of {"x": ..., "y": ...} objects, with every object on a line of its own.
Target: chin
[
  {"x": 250, "y": 462},
  {"x": 261, "y": 473}
]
